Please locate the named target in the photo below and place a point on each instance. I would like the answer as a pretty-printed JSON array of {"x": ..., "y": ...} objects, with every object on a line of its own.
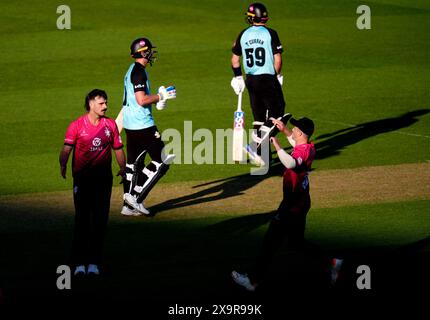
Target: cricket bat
[
  {"x": 118, "y": 121},
  {"x": 238, "y": 131}
]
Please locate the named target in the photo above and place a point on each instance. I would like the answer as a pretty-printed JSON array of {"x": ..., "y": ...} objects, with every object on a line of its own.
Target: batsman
[
  {"x": 261, "y": 50},
  {"x": 142, "y": 134}
]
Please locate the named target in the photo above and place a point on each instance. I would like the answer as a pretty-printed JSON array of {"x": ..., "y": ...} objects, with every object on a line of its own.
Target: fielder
[
  {"x": 92, "y": 137},
  {"x": 290, "y": 219},
  {"x": 143, "y": 136},
  {"x": 262, "y": 61}
]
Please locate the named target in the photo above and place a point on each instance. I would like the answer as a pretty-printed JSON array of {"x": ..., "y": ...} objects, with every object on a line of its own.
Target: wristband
[{"x": 237, "y": 71}]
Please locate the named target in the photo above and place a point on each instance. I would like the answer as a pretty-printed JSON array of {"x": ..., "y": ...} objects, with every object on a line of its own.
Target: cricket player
[
  {"x": 142, "y": 135},
  {"x": 261, "y": 50},
  {"x": 92, "y": 138},
  {"x": 290, "y": 219}
]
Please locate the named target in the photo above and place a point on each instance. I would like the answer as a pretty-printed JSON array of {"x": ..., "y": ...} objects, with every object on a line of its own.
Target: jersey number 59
[{"x": 257, "y": 56}]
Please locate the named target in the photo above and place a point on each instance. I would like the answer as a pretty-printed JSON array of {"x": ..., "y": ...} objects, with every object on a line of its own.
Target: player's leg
[
  {"x": 100, "y": 215},
  {"x": 273, "y": 100},
  {"x": 259, "y": 112},
  {"x": 135, "y": 151},
  {"x": 158, "y": 166},
  {"x": 82, "y": 202},
  {"x": 273, "y": 240},
  {"x": 135, "y": 163}
]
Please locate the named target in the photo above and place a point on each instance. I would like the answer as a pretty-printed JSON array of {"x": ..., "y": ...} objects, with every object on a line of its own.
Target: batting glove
[
  {"x": 166, "y": 93},
  {"x": 161, "y": 104},
  {"x": 280, "y": 79},
  {"x": 238, "y": 84}
]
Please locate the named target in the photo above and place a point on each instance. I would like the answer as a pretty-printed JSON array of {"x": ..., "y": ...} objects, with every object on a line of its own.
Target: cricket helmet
[
  {"x": 257, "y": 13},
  {"x": 143, "y": 48}
]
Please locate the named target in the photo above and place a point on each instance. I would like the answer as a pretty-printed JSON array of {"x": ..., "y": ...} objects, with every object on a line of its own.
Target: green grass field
[{"x": 367, "y": 91}]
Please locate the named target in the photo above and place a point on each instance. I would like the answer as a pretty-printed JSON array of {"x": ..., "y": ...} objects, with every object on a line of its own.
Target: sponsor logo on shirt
[
  {"x": 96, "y": 142},
  {"x": 157, "y": 135},
  {"x": 279, "y": 47},
  {"x": 138, "y": 86}
]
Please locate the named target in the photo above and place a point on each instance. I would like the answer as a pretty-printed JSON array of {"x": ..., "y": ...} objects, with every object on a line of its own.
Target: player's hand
[
  {"x": 275, "y": 143},
  {"x": 238, "y": 84},
  {"x": 280, "y": 79},
  {"x": 121, "y": 173},
  {"x": 161, "y": 104},
  {"x": 279, "y": 124},
  {"x": 63, "y": 172},
  {"x": 166, "y": 93}
]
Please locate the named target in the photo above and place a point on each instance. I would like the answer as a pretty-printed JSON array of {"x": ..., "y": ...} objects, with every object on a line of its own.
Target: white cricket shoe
[
  {"x": 243, "y": 280},
  {"x": 126, "y": 211},
  {"x": 254, "y": 158},
  {"x": 93, "y": 270},
  {"x": 132, "y": 201},
  {"x": 80, "y": 270}
]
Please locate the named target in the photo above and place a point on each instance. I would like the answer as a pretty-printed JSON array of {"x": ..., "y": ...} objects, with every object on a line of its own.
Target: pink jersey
[
  {"x": 92, "y": 144},
  {"x": 296, "y": 180}
]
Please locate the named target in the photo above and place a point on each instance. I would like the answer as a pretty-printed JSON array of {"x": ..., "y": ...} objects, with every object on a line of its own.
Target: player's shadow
[
  {"x": 217, "y": 190},
  {"x": 336, "y": 141},
  {"x": 331, "y": 145}
]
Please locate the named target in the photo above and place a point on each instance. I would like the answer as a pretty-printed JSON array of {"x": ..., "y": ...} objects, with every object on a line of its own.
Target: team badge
[{"x": 97, "y": 142}]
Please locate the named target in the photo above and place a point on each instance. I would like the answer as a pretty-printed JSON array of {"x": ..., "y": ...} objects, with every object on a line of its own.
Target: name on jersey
[{"x": 254, "y": 41}]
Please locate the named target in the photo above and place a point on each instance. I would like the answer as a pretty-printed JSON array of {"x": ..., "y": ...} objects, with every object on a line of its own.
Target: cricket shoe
[
  {"x": 93, "y": 270},
  {"x": 79, "y": 271},
  {"x": 254, "y": 158},
  {"x": 243, "y": 280},
  {"x": 132, "y": 201},
  {"x": 127, "y": 211}
]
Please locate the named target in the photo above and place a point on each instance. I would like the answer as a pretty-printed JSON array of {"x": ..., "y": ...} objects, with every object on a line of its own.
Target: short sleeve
[
  {"x": 138, "y": 79},
  {"x": 71, "y": 134},
  {"x": 276, "y": 43},
  {"x": 237, "y": 48},
  {"x": 301, "y": 154},
  {"x": 117, "y": 142}
]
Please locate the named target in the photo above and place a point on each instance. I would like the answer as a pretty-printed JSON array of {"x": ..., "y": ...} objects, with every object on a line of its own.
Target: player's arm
[
  {"x": 139, "y": 80},
  {"x": 277, "y": 63},
  {"x": 117, "y": 147},
  {"x": 237, "y": 83},
  {"x": 287, "y": 160},
  {"x": 277, "y": 57},
  {"x": 235, "y": 63},
  {"x": 283, "y": 128},
  {"x": 120, "y": 159},
  {"x": 144, "y": 99},
  {"x": 69, "y": 143},
  {"x": 64, "y": 158}
]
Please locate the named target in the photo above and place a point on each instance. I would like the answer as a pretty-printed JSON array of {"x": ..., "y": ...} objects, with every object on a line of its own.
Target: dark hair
[{"x": 92, "y": 95}]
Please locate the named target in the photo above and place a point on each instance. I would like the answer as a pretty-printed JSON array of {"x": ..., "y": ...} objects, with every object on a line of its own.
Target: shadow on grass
[
  {"x": 166, "y": 262},
  {"x": 332, "y": 145},
  {"x": 336, "y": 141}
]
